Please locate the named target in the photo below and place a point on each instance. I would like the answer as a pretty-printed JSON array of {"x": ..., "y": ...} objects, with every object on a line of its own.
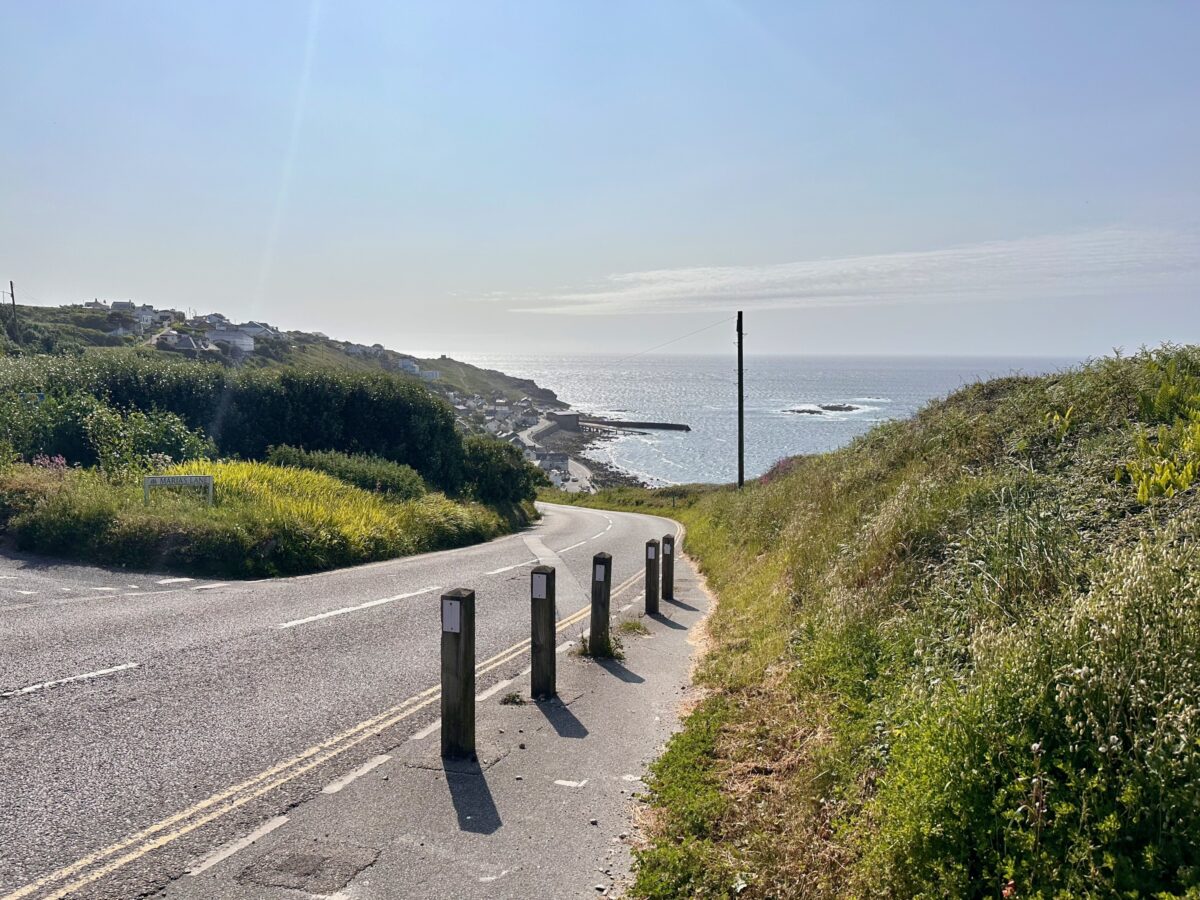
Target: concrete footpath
[{"x": 547, "y": 811}]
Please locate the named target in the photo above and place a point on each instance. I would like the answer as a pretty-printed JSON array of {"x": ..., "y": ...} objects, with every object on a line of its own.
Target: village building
[{"x": 238, "y": 340}]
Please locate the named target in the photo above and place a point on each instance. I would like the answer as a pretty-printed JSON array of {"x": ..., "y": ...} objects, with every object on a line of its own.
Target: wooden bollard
[
  {"x": 652, "y": 577},
  {"x": 458, "y": 673},
  {"x": 542, "y": 633},
  {"x": 599, "y": 639},
  {"x": 668, "y": 567}
]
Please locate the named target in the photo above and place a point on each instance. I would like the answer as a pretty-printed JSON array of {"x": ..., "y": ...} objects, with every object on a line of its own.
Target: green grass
[
  {"x": 957, "y": 654},
  {"x": 371, "y": 473},
  {"x": 267, "y": 520}
]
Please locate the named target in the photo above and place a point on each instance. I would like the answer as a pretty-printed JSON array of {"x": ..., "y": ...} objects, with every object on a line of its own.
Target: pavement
[{"x": 191, "y": 738}]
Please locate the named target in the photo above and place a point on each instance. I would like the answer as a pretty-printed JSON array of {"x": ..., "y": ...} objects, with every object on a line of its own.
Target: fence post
[
  {"x": 652, "y": 577},
  {"x": 542, "y": 633},
  {"x": 458, "y": 673},
  {"x": 668, "y": 567},
  {"x": 599, "y": 639}
]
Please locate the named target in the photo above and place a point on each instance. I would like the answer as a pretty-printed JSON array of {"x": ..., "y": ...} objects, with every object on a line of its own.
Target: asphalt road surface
[{"x": 146, "y": 719}]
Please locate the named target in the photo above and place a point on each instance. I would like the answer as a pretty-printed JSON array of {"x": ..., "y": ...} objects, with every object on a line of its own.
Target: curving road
[{"x": 146, "y": 719}]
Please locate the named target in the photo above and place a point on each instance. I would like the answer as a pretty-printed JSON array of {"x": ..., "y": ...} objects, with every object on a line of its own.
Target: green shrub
[
  {"x": 84, "y": 431},
  {"x": 267, "y": 521},
  {"x": 497, "y": 472},
  {"x": 247, "y": 410},
  {"x": 371, "y": 473}
]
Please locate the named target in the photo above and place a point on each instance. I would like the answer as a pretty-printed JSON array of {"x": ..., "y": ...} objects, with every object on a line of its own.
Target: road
[{"x": 147, "y": 719}]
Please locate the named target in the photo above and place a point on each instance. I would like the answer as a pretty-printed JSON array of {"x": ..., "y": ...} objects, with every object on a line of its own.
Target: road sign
[{"x": 160, "y": 481}]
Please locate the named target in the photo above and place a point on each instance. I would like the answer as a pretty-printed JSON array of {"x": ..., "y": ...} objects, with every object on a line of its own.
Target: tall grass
[
  {"x": 957, "y": 658},
  {"x": 371, "y": 473},
  {"x": 267, "y": 520}
]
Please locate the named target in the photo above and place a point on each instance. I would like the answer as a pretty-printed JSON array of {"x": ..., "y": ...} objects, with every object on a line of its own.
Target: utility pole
[
  {"x": 741, "y": 410},
  {"x": 12, "y": 292}
]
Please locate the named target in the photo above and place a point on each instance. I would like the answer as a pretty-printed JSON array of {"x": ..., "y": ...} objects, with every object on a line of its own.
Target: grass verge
[
  {"x": 267, "y": 521},
  {"x": 956, "y": 658}
]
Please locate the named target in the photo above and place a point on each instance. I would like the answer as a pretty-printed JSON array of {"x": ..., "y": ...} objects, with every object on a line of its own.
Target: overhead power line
[{"x": 674, "y": 340}]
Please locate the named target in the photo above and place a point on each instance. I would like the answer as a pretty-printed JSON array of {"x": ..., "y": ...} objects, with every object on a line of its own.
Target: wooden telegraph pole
[{"x": 741, "y": 410}]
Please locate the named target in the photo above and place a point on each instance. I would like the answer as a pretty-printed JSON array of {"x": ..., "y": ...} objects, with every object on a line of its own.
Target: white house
[
  {"x": 145, "y": 315},
  {"x": 410, "y": 366},
  {"x": 431, "y": 374},
  {"x": 236, "y": 339},
  {"x": 258, "y": 329}
]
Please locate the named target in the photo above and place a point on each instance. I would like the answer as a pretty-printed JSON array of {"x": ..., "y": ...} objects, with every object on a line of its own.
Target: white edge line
[
  {"x": 349, "y": 609},
  {"x": 350, "y": 777},
  {"x": 571, "y": 784},
  {"x": 174, "y": 580},
  {"x": 572, "y": 547},
  {"x": 494, "y": 689},
  {"x": 84, "y": 677},
  {"x": 209, "y": 587},
  {"x": 233, "y": 847},
  {"x": 427, "y": 730},
  {"x": 528, "y": 562}
]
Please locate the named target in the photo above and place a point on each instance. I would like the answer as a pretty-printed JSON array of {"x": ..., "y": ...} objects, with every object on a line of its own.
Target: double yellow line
[{"x": 101, "y": 863}]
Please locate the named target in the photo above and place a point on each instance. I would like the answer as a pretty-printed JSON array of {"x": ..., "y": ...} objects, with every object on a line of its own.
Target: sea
[{"x": 794, "y": 405}]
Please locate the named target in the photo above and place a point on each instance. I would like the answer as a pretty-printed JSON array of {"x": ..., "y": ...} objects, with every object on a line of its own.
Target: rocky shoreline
[{"x": 575, "y": 443}]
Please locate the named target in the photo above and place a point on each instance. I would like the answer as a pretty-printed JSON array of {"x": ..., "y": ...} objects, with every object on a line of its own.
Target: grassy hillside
[
  {"x": 69, "y": 330},
  {"x": 958, "y": 658}
]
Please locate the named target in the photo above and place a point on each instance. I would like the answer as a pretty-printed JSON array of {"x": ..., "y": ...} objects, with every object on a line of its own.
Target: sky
[{"x": 607, "y": 177}]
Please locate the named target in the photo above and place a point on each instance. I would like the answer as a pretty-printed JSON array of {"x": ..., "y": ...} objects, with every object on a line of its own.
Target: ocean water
[{"x": 701, "y": 391}]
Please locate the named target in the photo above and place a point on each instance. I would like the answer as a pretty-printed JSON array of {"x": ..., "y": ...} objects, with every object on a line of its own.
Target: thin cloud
[{"x": 1111, "y": 262}]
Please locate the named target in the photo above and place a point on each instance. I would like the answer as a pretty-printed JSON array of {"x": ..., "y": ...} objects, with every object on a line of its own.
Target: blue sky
[{"x": 859, "y": 177}]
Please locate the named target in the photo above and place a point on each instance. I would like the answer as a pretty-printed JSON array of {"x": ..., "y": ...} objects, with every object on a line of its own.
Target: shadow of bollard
[
  {"x": 670, "y": 623},
  {"x": 561, "y": 719},
  {"x": 471, "y": 796},
  {"x": 614, "y": 667}
]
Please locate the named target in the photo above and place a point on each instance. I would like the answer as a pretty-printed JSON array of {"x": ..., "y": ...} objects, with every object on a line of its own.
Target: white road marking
[
  {"x": 134, "y": 586},
  {"x": 565, "y": 645},
  {"x": 349, "y": 609},
  {"x": 8, "y": 576},
  {"x": 174, "y": 580},
  {"x": 571, "y": 784},
  {"x": 103, "y": 589},
  {"x": 27, "y": 593},
  {"x": 209, "y": 587},
  {"x": 66, "y": 590},
  {"x": 528, "y": 562},
  {"x": 494, "y": 689},
  {"x": 350, "y": 777},
  {"x": 572, "y": 547},
  {"x": 84, "y": 677},
  {"x": 427, "y": 730},
  {"x": 234, "y": 846}
]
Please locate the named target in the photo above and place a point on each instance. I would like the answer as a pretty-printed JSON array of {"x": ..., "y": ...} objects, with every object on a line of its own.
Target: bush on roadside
[
  {"x": 497, "y": 472},
  {"x": 247, "y": 410},
  {"x": 267, "y": 521},
  {"x": 86, "y": 432},
  {"x": 371, "y": 473}
]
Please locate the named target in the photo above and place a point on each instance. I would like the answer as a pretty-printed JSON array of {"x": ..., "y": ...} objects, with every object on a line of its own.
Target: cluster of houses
[
  {"x": 518, "y": 424},
  {"x": 203, "y": 333}
]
